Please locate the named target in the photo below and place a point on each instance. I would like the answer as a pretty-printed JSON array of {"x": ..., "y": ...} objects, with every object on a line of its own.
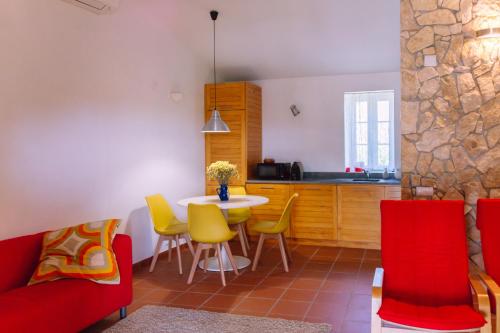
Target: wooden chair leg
[
  {"x": 195, "y": 262},
  {"x": 244, "y": 228},
  {"x": 287, "y": 249},
  {"x": 231, "y": 258},
  {"x": 221, "y": 265},
  {"x": 170, "y": 240},
  {"x": 189, "y": 243},
  {"x": 178, "y": 246},
  {"x": 258, "y": 251},
  {"x": 157, "y": 252},
  {"x": 283, "y": 252},
  {"x": 242, "y": 240},
  {"x": 205, "y": 262}
]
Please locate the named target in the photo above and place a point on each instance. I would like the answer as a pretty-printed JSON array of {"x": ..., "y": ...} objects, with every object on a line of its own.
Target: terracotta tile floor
[{"x": 324, "y": 285}]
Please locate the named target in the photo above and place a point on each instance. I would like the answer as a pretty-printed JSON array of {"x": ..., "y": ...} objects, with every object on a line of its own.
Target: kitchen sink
[{"x": 365, "y": 180}]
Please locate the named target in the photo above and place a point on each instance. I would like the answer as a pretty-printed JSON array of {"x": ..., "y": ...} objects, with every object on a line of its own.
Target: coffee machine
[{"x": 297, "y": 172}]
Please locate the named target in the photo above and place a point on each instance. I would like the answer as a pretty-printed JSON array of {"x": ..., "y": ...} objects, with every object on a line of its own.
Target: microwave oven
[{"x": 273, "y": 171}]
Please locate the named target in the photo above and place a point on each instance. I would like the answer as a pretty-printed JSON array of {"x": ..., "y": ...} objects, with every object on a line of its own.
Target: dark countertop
[
  {"x": 338, "y": 181},
  {"x": 335, "y": 178}
]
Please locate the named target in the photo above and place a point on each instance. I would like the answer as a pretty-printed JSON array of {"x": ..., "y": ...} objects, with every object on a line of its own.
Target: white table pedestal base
[
  {"x": 235, "y": 201},
  {"x": 213, "y": 262}
]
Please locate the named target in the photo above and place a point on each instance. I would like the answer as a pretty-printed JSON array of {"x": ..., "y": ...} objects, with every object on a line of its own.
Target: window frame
[{"x": 371, "y": 98}]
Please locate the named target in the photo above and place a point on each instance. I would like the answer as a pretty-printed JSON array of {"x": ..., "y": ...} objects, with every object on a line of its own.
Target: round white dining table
[{"x": 235, "y": 201}]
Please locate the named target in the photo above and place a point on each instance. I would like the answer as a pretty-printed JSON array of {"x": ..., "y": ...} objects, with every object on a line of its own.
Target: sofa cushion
[
  {"x": 66, "y": 305},
  {"x": 83, "y": 251},
  {"x": 424, "y": 252},
  {"x": 454, "y": 317},
  {"x": 19, "y": 257}
]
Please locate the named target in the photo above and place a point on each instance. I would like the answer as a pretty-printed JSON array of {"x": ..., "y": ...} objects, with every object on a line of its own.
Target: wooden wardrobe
[{"x": 240, "y": 106}]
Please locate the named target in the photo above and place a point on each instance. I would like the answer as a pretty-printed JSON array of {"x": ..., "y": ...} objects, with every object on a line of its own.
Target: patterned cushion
[{"x": 83, "y": 251}]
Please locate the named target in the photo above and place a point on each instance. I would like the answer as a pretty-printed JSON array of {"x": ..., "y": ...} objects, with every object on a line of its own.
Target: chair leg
[
  {"x": 283, "y": 252},
  {"x": 189, "y": 243},
  {"x": 244, "y": 228},
  {"x": 170, "y": 249},
  {"x": 258, "y": 251},
  {"x": 287, "y": 249},
  {"x": 376, "y": 321},
  {"x": 205, "y": 262},
  {"x": 178, "y": 246},
  {"x": 231, "y": 258},
  {"x": 242, "y": 240},
  {"x": 497, "y": 318},
  {"x": 195, "y": 262},
  {"x": 221, "y": 265},
  {"x": 156, "y": 254}
]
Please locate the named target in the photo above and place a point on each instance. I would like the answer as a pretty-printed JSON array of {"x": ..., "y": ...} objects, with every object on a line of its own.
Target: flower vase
[{"x": 223, "y": 193}]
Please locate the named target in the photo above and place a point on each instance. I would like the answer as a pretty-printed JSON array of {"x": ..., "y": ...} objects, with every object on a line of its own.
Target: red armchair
[
  {"x": 424, "y": 284},
  {"x": 488, "y": 223},
  {"x": 67, "y": 305}
]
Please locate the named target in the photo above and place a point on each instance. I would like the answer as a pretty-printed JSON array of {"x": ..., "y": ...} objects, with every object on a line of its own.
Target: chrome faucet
[{"x": 367, "y": 173}]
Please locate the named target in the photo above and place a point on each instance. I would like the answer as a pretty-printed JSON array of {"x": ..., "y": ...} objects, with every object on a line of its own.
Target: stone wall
[{"x": 450, "y": 113}]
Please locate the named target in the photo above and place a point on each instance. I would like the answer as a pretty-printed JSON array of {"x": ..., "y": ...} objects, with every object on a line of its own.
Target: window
[{"x": 369, "y": 129}]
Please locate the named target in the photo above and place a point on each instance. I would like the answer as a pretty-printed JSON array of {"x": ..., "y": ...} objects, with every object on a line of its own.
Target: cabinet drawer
[
  {"x": 278, "y": 195},
  {"x": 361, "y": 193}
]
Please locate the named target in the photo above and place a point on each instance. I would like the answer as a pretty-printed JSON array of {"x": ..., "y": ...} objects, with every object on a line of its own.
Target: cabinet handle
[{"x": 267, "y": 188}]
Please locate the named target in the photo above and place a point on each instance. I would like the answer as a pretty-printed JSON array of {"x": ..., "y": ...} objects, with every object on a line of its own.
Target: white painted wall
[
  {"x": 316, "y": 136},
  {"x": 87, "y": 128}
]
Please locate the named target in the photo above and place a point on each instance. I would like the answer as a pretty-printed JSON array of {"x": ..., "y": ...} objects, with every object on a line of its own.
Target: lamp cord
[{"x": 215, "y": 75}]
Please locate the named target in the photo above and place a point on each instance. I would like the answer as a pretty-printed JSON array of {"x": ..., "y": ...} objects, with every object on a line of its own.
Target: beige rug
[{"x": 152, "y": 318}]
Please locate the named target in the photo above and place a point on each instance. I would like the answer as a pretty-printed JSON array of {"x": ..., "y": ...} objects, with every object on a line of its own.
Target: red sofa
[{"x": 66, "y": 305}]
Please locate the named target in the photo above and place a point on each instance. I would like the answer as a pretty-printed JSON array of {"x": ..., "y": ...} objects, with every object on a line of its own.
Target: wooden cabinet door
[
  {"x": 230, "y": 96},
  {"x": 392, "y": 192},
  {"x": 315, "y": 212},
  {"x": 359, "y": 213},
  {"x": 228, "y": 146},
  {"x": 278, "y": 195}
]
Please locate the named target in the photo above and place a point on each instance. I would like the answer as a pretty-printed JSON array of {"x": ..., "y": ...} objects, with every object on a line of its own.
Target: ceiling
[{"x": 265, "y": 39}]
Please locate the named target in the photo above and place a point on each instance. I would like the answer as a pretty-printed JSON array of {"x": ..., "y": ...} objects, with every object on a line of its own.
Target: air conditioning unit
[{"x": 96, "y": 6}]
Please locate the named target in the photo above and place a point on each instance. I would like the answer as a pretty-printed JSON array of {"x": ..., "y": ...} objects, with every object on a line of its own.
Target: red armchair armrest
[{"x": 122, "y": 246}]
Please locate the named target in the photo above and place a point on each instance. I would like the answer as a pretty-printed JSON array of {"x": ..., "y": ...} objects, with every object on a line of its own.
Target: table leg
[{"x": 213, "y": 264}]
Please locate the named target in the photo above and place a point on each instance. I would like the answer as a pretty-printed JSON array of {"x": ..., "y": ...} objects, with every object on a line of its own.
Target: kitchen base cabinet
[
  {"x": 278, "y": 195},
  {"x": 359, "y": 213},
  {"x": 326, "y": 214},
  {"x": 314, "y": 214}
]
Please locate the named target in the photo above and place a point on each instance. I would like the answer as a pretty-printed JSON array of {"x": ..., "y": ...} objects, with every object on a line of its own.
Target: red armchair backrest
[
  {"x": 488, "y": 222},
  {"x": 424, "y": 252},
  {"x": 18, "y": 259}
]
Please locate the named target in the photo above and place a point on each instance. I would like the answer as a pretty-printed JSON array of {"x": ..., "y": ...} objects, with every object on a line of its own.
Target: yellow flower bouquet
[{"x": 222, "y": 171}]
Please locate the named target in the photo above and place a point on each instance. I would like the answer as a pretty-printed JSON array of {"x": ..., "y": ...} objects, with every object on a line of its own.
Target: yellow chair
[
  {"x": 268, "y": 229},
  {"x": 208, "y": 227},
  {"x": 168, "y": 227},
  {"x": 237, "y": 218}
]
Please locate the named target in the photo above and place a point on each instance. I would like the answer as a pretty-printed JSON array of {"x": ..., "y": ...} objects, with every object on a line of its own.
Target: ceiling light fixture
[
  {"x": 215, "y": 124},
  {"x": 488, "y": 33}
]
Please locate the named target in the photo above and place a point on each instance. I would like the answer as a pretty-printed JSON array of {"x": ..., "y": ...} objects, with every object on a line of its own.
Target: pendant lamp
[{"x": 215, "y": 124}]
